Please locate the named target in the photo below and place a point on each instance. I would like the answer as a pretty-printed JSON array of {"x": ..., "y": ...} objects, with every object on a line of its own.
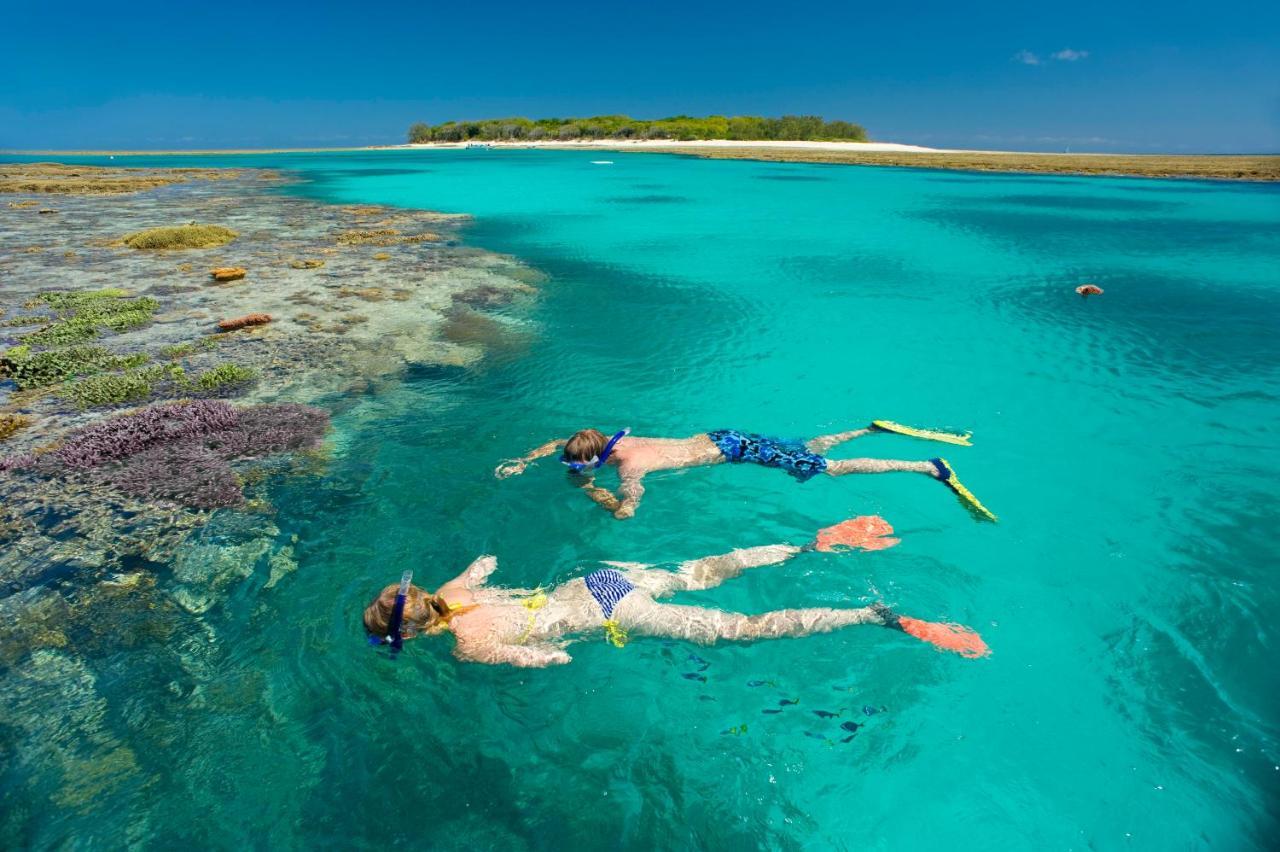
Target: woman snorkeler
[{"x": 532, "y": 628}]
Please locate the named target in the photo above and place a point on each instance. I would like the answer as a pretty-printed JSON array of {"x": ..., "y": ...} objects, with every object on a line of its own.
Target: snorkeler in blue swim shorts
[{"x": 588, "y": 450}]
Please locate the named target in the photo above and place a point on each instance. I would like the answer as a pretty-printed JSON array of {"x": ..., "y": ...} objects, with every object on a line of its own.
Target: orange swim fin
[
  {"x": 866, "y": 532},
  {"x": 946, "y": 637}
]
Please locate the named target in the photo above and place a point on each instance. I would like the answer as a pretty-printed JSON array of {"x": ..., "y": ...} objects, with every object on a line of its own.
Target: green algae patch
[
  {"x": 39, "y": 369},
  {"x": 109, "y": 389},
  {"x": 180, "y": 237},
  {"x": 224, "y": 376},
  {"x": 82, "y": 316},
  {"x": 178, "y": 350}
]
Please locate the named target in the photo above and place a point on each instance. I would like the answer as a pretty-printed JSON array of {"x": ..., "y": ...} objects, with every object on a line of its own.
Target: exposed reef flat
[
  {"x": 1253, "y": 168},
  {"x": 59, "y": 179},
  {"x": 103, "y": 345}
]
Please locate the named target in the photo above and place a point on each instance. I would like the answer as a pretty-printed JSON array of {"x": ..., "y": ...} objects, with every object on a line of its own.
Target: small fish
[
  {"x": 736, "y": 730},
  {"x": 785, "y": 701},
  {"x": 844, "y": 688},
  {"x": 846, "y": 739},
  {"x": 694, "y": 676},
  {"x": 815, "y": 735},
  {"x": 851, "y": 727},
  {"x": 705, "y": 698},
  {"x": 825, "y": 714},
  {"x": 770, "y": 712},
  {"x": 755, "y": 683},
  {"x": 698, "y": 659},
  {"x": 869, "y": 710}
]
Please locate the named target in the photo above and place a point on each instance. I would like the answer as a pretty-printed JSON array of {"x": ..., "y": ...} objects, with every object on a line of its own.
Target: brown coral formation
[
  {"x": 365, "y": 294},
  {"x": 227, "y": 273},
  {"x": 11, "y": 423},
  {"x": 383, "y": 237},
  {"x": 191, "y": 236},
  {"x": 306, "y": 264},
  {"x": 244, "y": 321}
]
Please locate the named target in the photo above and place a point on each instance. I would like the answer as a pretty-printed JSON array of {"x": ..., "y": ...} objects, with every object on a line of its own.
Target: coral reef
[
  {"x": 306, "y": 264},
  {"x": 180, "y": 237},
  {"x": 179, "y": 451},
  {"x": 228, "y": 273},
  {"x": 143, "y": 510},
  {"x": 246, "y": 320}
]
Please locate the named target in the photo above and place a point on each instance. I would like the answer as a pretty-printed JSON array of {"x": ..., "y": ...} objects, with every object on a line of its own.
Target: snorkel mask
[
  {"x": 596, "y": 461},
  {"x": 395, "y": 637}
]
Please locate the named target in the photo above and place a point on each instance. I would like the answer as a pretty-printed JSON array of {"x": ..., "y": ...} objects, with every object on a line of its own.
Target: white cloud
[
  {"x": 1069, "y": 55},
  {"x": 1026, "y": 57}
]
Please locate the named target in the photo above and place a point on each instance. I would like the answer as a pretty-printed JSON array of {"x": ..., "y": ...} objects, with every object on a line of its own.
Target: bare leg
[
  {"x": 710, "y": 571},
  {"x": 839, "y": 467},
  {"x": 822, "y": 443},
  {"x": 645, "y": 617}
]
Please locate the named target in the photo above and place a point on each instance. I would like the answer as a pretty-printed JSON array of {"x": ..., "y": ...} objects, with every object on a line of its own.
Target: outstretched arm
[
  {"x": 631, "y": 490},
  {"x": 523, "y": 656},
  {"x": 602, "y": 497},
  {"x": 514, "y": 467},
  {"x": 478, "y": 572}
]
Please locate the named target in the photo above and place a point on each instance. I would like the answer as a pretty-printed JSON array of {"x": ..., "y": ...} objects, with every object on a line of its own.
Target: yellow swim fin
[
  {"x": 927, "y": 434},
  {"x": 948, "y": 476}
]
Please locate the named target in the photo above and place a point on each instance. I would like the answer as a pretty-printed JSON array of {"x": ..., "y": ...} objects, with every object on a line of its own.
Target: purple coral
[
  {"x": 180, "y": 451},
  {"x": 129, "y": 434},
  {"x": 18, "y": 462},
  {"x": 185, "y": 472}
]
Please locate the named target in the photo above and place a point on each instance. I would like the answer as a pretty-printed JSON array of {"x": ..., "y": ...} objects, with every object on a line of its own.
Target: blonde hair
[
  {"x": 422, "y": 612},
  {"x": 584, "y": 445}
]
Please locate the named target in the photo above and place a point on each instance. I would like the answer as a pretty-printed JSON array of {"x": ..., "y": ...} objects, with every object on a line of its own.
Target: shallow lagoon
[{"x": 1128, "y": 443}]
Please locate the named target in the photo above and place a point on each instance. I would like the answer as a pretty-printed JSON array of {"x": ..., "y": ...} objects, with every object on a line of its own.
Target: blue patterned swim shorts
[{"x": 792, "y": 456}]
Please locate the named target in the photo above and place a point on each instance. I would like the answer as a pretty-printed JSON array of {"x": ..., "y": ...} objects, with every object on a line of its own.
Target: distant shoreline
[{"x": 1238, "y": 167}]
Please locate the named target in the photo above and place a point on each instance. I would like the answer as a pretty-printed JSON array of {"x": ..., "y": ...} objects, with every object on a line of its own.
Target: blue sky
[{"x": 1114, "y": 76}]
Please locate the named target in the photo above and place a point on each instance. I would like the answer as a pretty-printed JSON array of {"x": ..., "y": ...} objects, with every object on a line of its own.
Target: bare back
[
  {"x": 503, "y": 621},
  {"x": 638, "y": 456}
]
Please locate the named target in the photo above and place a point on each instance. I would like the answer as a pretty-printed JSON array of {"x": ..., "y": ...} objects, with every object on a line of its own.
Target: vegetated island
[
  {"x": 681, "y": 128},
  {"x": 812, "y": 139}
]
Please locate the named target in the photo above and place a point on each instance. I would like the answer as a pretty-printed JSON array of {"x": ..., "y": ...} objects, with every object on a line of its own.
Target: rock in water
[
  {"x": 246, "y": 320},
  {"x": 228, "y": 273}
]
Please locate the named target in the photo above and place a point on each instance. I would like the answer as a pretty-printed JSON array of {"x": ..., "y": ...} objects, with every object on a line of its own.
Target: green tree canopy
[{"x": 678, "y": 127}]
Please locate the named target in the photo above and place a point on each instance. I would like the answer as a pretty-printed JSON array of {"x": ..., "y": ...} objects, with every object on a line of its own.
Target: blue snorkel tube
[
  {"x": 596, "y": 462},
  {"x": 395, "y": 637}
]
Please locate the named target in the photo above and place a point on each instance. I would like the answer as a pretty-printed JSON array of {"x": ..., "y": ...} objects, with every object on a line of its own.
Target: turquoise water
[{"x": 1128, "y": 443}]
